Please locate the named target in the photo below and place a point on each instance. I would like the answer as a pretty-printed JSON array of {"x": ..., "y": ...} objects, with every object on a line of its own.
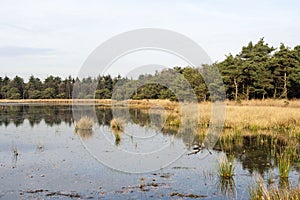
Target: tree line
[
  {"x": 257, "y": 72},
  {"x": 260, "y": 71}
]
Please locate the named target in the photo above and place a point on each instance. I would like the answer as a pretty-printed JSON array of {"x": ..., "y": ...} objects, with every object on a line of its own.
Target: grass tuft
[
  {"x": 262, "y": 192},
  {"x": 117, "y": 138},
  {"x": 226, "y": 167},
  {"x": 117, "y": 124},
  {"x": 85, "y": 123},
  {"x": 284, "y": 164}
]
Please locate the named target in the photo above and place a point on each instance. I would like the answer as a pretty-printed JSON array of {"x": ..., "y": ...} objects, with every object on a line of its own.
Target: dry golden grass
[
  {"x": 167, "y": 104},
  {"x": 262, "y": 117},
  {"x": 269, "y": 117},
  {"x": 262, "y": 192},
  {"x": 117, "y": 124},
  {"x": 85, "y": 123},
  {"x": 149, "y": 103},
  {"x": 256, "y": 115},
  {"x": 268, "y": 102}
]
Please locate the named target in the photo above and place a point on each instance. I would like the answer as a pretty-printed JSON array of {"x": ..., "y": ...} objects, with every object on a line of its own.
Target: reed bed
[
  {"x": 280, "y": 121},
  {"x": 267, "y": 102},
  {"x": 274, "y": 117},
  {"x": 270, "y": 118},
  {"x": 262, "y": 192}
]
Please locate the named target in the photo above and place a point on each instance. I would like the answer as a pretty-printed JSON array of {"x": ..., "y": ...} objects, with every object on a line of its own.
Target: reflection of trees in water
[
  {"x": 84, "y": 134},
  {"x": 257, "y": 154},
  {"x": 104, "y": 116},
  {"x": 52, "y": 115}
]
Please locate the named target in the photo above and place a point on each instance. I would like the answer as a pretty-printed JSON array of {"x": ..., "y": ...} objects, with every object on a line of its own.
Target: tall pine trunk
[
  {"x": 285, "y": 86},
  {"x": 275, "y": 92},
  {"x": 236, "y": 89},
  {"x": 247, "y": 92}
]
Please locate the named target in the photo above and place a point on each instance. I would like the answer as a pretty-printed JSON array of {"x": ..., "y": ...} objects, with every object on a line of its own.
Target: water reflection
[
  {"x": 284, "y": 184},
  {"x": 227, "y": 187},
  {"x": 15, "y": 156},
  {"x": 254, "y": 154},
  {"x": 84, "y": 134},
  {"x": 52, "y": 115}
]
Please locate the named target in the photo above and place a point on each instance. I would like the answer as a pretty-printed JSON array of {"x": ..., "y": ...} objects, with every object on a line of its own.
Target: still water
[{"x": 42, "y": 157}]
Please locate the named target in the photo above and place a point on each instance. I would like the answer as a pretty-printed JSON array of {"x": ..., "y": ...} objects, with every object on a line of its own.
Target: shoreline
[
  {"x": 151, "y": 102},
  {"x": 97, "y": 102}
]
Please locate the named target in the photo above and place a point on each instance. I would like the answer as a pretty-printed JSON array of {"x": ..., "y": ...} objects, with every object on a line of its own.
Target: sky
[{"x": 55, "y": 37}]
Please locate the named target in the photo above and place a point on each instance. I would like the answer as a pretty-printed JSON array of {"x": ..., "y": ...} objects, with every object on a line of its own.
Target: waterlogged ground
[{"x": 41, "y": 157}]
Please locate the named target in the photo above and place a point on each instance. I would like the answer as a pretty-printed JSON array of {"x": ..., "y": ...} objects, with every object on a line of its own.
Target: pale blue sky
[{"x": 55, "y": 37}]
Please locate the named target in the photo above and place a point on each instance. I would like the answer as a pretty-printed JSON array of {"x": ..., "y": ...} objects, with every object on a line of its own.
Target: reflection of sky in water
[
  {"x": 148, "y": 152},
  {"x": 67, "y": 165},
  {"x": 136, "y": 139}
]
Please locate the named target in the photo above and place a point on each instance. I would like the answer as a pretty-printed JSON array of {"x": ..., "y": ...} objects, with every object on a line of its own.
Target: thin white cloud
[{"x": 13, "y": 51}]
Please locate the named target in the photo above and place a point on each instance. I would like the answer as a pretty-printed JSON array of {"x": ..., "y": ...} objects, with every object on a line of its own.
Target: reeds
[
  {"x": 85, "y": 123},
  {"x": 226, "y": 167},
  {"x": 262, "y": 192},
  {"x": 284, "y": 164},
  {"x": 84, "y": 134},
  {"x": 117, "y": 124},
  {"x": 117, "y": 138},
  {"x": 269, "y": 117}
]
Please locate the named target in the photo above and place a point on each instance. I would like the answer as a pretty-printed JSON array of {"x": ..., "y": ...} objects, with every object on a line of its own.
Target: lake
[{"x": 43, "y": 157}]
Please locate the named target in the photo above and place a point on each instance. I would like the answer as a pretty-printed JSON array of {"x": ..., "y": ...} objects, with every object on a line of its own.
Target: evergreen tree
[{"x": 283, "y": 63}]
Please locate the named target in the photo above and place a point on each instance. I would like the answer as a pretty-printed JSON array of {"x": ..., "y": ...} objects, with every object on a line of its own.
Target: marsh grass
[
  {"x": 85, "y": 123},
  {"x": 84, "y": 134},
  {"x": 117, "y": 124},
  {"x": 284, "y": 164},
  {"x": 250, "y": 118},
  {"x": 117, "y": 138},
  {"x": 226, "y": 167},
  {"x": 261, "y": 192},
  {"x": 227, "y": 186}
]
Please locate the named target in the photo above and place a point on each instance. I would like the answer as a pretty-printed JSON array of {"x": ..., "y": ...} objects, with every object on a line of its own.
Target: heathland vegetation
[{"x": 257, "y": 72}]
